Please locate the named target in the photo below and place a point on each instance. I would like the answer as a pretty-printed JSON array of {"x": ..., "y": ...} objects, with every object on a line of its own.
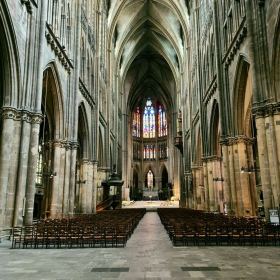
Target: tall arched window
[
  {"x": 150, "y": 179},
  {"x": 147, "y": 152},
  {"x": 149, "y": 120},
  {"x": 144, "y": 152},
  {"x": 136, "y": 123},
  {"x": 162, "y": 123}
]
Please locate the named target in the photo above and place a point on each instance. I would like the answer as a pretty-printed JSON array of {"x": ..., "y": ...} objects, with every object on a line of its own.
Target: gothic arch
[
  {"x": 276, "y": 60},
  {"x": 9, "y": 60},
  {"x": 100, "y": 149},
  {"x": 215, "y": 130},
  {"x": 241, "y": 78},
  {"x": 83, "y": 132},
  {"x": 53, "y": 101}
]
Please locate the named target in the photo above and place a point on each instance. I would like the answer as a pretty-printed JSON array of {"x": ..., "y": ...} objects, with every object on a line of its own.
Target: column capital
[
  {"x": 229, "y": 141},
  {"x": 266, "y": 110},
  {"x": 211, "y": 158}
]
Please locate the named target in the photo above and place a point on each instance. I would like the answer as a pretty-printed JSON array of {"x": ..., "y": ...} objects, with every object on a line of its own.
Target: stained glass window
[
  {"x": 147, "y": 152},
  {"x": 150, "y": 179},
  {"x": 154, "y": 152},
  {"x": 162, "y": 123},
  {"x": 136, "y": 123},
  {"x": 151, "y": 152},
  {"x": 144, "y": 152},
  {"x": 149, "y": 121},
  {"x": 166, "y": 151}
]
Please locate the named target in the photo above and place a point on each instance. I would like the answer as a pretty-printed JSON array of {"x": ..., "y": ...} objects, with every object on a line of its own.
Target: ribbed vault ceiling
[{"x": 148, "y": 40}]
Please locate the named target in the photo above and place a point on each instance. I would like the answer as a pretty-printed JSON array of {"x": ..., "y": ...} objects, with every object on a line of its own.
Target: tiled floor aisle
[{"x": 149, "y": 254}]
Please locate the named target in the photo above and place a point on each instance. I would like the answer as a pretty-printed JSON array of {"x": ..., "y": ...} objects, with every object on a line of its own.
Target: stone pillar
[
  {"x": 22, "y": 170},
  {"x": 12, "y": 191},
  {"x": 227, "y": 182},
  {"x": 83, "y": 187},
  {"x": 72, "y": 178},
  {"x": 32, "y": 168},
  {"x": 264, "y": 165},
  {"x": 60, "y": 186},
  {"x": 212, "y": 205},
  {"x": 237, "y": 174},
  {"x": 55, "y": 180},
  {"x": 94, "y": 196},
  {"x": 206, "y": 187},
  {"x": 244, "y": 179},
  {"x": 5, "y": 155},
  {"x": 195, "y": 187},
  {"x": 272, "y": 158},
  {"x": 235, "y": 209},
  {"x": 89, "y": 185},
  {"x": 277, "y": 154},
  {"x": 67, "y": 174},
  {"x": 201, "y": 184}
]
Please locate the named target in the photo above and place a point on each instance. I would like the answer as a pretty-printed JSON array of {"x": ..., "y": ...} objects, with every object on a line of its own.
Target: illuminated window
[
  {"x": 136, "y": 123},
  {"x": 162, "y": 123},
  {"x": 150, "y": 179},
  {"x": 154, "y": 152},
  {"x": 147, "y": 152},
  {"x": 144, "y": 151},
  {"x": 39, "y": 166},
  {"x": 149, "y": 121}
]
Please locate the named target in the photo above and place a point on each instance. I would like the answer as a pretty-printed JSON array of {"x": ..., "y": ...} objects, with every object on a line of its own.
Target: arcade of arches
[{"x": 181, "y": 96}]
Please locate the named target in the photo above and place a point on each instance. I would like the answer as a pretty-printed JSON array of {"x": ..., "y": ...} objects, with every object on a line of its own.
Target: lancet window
[
  {"x": 149, "y": 120},
  {"x": 136, "y": 123},
  {"x": 162, "y": 123},
  {"x": 150, "y": 179}
]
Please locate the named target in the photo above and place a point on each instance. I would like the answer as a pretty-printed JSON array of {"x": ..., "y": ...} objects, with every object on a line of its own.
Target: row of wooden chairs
[
  {"x": 189, "y": 227},
  {"x": 104, "y": 229}
]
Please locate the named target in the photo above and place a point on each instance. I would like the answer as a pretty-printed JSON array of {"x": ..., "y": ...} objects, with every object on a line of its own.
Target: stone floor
[{"x": 149, "y": 254}]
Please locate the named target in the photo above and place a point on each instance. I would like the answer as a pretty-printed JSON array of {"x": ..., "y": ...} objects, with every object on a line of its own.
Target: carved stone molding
[
  {"x": 211, "y": 158},
  {"x": 21, "y": 115},
  {"x": 235, "y": 44},
  {"x": 266, "y": 110},
  {"x": 229, "y": 141},
  {"x": 58, "y": 49},
  {"x": 197, "y": 167},
  {"x": 102, "y": 120},
  {"x": 211, "y": 90},
  {"x": 83, "y": 89}
]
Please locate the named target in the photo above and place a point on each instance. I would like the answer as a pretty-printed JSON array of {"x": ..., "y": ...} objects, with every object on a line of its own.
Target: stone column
[
  {"x": 59, "y": 211},
  {"x": 277, "y": 140},
  {"x": 237, "y": 174},
  {"x": 235, "y": 209},
  {"x": 32, "y": 168},
  {"x": 89, "y": 189},
  {"x": 72, "y": 178},
  {"x": 5, "y": 152},
  {"x": 227, "y": 182},
  {"x": 94, "y": 196},
  {"x": 67, "y": 174},
  {"x": 272, "y": 157},
  {"x": 212, "y": 205},
  {"x": 206, "y": 187},
  {"x": 264, "y": 165},
  {"x": 55, "y": 180},
  {"x": 22, "y": 164},
  {"x": 83, "y": 187},
  {"x": 195, "y": 187},
  {"x": 12, "y": 181}
]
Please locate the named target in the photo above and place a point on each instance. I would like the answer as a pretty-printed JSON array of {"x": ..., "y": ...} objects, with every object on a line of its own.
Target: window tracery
[{"x": 149, "y": 120}]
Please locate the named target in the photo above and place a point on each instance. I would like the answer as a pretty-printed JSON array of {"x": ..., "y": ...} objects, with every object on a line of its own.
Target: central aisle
[{"x": 150, "y": 236}]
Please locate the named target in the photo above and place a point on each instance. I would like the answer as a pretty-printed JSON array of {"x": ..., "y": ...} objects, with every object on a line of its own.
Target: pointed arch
[
  {"x": 10, "y": 86},
  {"x": 215, "y": 148},
  {"x": 83, "y": 131},
  {"x": 100, "y": 149},
  {"x": 53, "y": 99},
  {"x": 238, "y": 109}
]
